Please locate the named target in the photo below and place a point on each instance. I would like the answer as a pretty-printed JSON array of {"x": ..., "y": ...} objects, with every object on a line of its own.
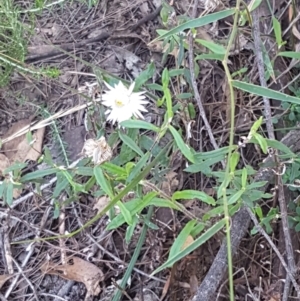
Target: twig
[
  {"x": 267, "y": 237},
  {"x": 261, "y": 72},
  {"x": 287, "y": 236},
  {"x": 194, "y": 84},
  {"x": 30, "y": 249},
  {"x": 27, "y": 280}
]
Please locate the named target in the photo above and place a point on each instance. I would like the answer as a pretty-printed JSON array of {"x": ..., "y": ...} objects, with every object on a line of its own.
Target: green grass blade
[
  {"x": 197, "y": 23},
  {"x": 265, "y": 92}
]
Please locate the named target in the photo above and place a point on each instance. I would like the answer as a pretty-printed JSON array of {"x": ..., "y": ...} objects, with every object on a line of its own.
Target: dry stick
[
  {"x": 287, "y": 239},
  {"x": 261, "y": 72},
  {"x": 240, "y": 225},
  {"x": 194, "y": 83},
  {"x": 31, "y": 248},
  {"x": 270, "y": 128},
  {"x": 282, "y": 260},
  {"x": 104, "y": 250}
]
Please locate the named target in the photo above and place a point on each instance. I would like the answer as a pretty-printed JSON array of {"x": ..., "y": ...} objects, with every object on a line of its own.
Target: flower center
[
  {"x": 119, "y": 103},
  {"x": 122, "y": 101}
]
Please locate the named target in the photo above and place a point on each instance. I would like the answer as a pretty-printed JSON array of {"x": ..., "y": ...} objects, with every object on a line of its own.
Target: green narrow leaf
[
  {"x": 234, "y": 198},
  {"x": 277, "y": 31},
  {"x": 256, "y": 125},
  {"x": 181, "y": 145},
  {"x": 215, "y": 48},
  {"x": 268, "y": 62},
  {"x": 280, "y": 146},
  {"x": 218, "y": 153},
  {"x": 114, "y": 169},
  {"x": 138, "y": 167},
  {"x": 262, "y": 142},
  {"x": 181, "y": 238},
  {"x": 125, "y": 212},
  {"x": 193, "y": 246},
  {"x": 38, "y": 174},
  {"x": 244, "y": 177},
  {"x": 234, "y": 160},
  {"x": 144, "y": 76},
  {"x": 265, "y": 92},
  {"x": 290, "y": 54},
  {"x": 130, "y": 143},
  {"x": 210, "y": 56},
  {"x": 130, "y": 230},
  {"x": 197, "y": 23},
  {"x": 61, "y": 184},
  {"x": 15, "y": 166},
  {"x": 9, "y": 193},
  {"x": 139, "y": 124},
  {"x": 103, "y": 182},
  {"x": 84, "y": 171},
  {"x": 193, "y": 194}
]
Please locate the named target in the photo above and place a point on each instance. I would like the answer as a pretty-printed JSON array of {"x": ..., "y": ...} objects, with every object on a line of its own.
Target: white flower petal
[{"x": 123, "y": 103}]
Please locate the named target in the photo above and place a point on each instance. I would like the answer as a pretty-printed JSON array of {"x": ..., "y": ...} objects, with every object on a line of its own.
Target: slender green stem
[
  {"x": 227, "y": 174},
  {"x": 135, "y": 256}
]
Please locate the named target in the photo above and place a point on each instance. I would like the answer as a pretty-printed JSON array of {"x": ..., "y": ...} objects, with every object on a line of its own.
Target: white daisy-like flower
[{"x": 123, "y": 103}]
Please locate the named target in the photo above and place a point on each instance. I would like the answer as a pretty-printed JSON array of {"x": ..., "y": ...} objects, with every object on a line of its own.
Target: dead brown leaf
[
  {"x": 101, "y": 203},
  {"x": 19, "y": 149},
  {"x": 4, "y": 163},
  {"x": 4, "y": 278},
  {"x": 79, "y": 270},
  {"x": 170, "y": 184},
  {"x": 189, "y": 240}
]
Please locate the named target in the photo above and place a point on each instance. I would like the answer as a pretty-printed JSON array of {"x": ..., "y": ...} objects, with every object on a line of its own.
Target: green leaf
[
  {"x": 61, "y": 184},
  {"x": 210, "y": 56},
  {"x": 262, "y": 142},
  {"x": 130, "y": 230},
  {"x": 193, "y": 246},
  {"x": 215, "y": 48},
  {"x": 280, "y": 146},
  {"x": 38, "y": 174},
  {"x": 218, "y": 153},
  {"x": 256, "y": 125},
  {"x": 84, "y": 171},
  {"x": 193, "y": 194},
  {"x": 9, "y": 193},
  {"x": 256, "y": 185},
  {"x": 197, "y": 23},
  {"x": 114, "y": 169},
  {"x": 234, "y": 198},
  {"x": 155, "y": 87},
  {"x": 125, "y": 212},
  {"x": 181, "y": 238},
  {"x": 265, "y": 92},
  {"x": 15, "y": 166},
  {"x": 244, "y": 177},
  {"x": 138, "y": 167},
  {"x": 277, "y": 31},
  {"x": 144, "y": 76},
  {"x": 130, "y": 143},
  {"x": 290, "y": 54},
  {"x": 234, "y": 160},
  {"x": 181, "y": 145},
  {"x": 158, "y": 202},
  {"x": 139, "y": 124},
  {"x": 103, "y": 182}
]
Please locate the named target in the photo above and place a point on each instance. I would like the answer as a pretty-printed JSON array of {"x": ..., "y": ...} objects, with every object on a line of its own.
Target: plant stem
[{"x": 227, "y": 175}]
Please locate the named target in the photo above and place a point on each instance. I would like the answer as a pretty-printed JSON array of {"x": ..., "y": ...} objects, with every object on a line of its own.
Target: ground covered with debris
[{"x": 55, "y": 242}]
